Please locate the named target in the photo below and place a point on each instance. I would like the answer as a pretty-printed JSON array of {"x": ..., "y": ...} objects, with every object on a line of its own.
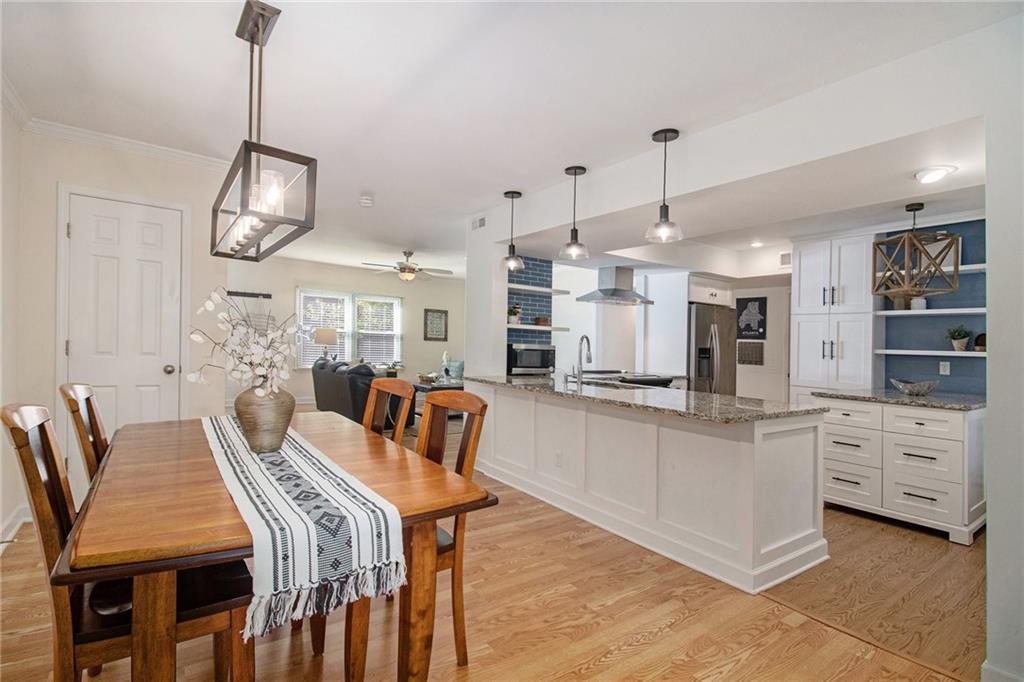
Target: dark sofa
[{"x": 338, "y": 387}]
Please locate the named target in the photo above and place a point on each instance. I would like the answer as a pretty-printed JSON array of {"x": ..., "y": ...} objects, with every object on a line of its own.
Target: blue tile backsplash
[
  {"x": 536, "y": 273},
  {"x": 967, "y": 374}
]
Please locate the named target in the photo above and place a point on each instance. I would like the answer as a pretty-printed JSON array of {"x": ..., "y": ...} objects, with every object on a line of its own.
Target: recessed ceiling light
[
  {"x": 756, "y": 244},
  {"x": 927, "y": 176}
]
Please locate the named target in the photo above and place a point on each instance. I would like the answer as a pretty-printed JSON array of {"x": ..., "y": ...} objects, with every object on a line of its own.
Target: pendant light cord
[
  {"x": 664, "y": 170},
  {"x": 512, "y": 221},
  {"x": 574, "y": 201}
]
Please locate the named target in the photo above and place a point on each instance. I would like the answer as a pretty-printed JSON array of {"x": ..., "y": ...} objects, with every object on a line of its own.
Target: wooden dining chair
[
  {"x": 432, "y": 442},
  {"x": 85, "y": 414},
  {"x": 92, "y": 622},
  {"x": 379, "y": 402}
]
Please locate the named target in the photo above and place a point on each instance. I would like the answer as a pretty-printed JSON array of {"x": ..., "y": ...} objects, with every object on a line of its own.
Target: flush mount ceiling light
[
  {"x": 913, "y": 264},
  {"x": 927, "y": 176},
  {"x": 664, "y": 230},
  {"x": 574, "y": 249},
  {"x": 512, "y": 262},
  {"x": 268, "y": 198},
  {"x": 756, "y": 244}
]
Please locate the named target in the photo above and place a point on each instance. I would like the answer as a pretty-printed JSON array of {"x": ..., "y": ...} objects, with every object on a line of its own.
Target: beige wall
[
  {"x": 771, "y": 380},
  {"x": 281, "y": 276}
]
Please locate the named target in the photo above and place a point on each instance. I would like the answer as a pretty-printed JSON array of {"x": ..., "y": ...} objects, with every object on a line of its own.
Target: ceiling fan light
[
  {"x": 664, "y": 231},
  {"x": 927, "y": 176},
  {"x": 406, "y": 276}
]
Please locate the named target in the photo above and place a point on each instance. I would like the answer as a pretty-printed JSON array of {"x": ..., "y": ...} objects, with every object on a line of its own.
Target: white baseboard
[
  {"x": 13, "y": 525},
  {"x": 990, "y": 673}
]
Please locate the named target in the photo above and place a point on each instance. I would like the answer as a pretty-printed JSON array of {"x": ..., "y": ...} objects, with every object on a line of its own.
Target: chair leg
[
  {"x": 222, "y": 655},
  {"x": 318, "y": 633},
  {"x": 95, "y": 670},
  {"x": 459, "y": 609},
  {"x": 297, "y": 625},
  {"x": 243, "y": 654}
]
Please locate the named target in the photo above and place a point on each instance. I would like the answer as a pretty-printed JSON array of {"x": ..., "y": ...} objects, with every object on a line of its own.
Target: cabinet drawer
[
  {"x": 853, "y": 413},
  {"x": 918, "y": 421},
  {"x": 854, "y": 445},
  {"x": 853, "y": 482},
  {"x": 922, "y": 456},
  {"x": 925, "y": 497}
]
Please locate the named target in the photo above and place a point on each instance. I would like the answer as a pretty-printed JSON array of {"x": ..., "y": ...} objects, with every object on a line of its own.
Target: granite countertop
[
  {"x": 964, "y": 402},
  {"x": 706, "y": 407}
]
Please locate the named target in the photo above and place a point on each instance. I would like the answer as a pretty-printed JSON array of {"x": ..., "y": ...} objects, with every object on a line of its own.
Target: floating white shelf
[
  {"x": 538, "y": 327},
  {"x": 932, "y": 311},
  {"x": 938, "y": 353},
  {"x": 538, "y": 290}
]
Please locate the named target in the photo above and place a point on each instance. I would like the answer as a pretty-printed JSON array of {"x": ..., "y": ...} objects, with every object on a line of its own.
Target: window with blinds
[{"x": 369, "y": 327}]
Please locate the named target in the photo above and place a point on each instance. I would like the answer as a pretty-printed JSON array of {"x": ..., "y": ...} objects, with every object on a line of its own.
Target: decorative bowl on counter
[{"x": 914, "y": 387}]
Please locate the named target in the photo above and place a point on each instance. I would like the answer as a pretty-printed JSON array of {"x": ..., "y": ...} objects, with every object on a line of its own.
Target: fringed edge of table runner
[{"x": 268, "y": 612}]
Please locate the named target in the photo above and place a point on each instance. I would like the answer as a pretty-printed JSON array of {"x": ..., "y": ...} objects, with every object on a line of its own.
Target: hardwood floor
[
  {"x": 548, "y": 597},
  {"x": 900, "y": 586}
]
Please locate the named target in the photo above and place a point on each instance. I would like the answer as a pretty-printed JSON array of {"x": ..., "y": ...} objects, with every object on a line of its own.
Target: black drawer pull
[
  {"x": 845, "y": 414},
  {"x": 911, "y": 454},
  {"x": 920, "y": 497},
  {"x": 919, "y": 423},
  {"x": 846, "y": 480},
  {"x": 850, "y": 445}
]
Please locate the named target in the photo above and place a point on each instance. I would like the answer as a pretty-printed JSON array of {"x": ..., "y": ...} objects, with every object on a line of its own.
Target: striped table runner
[{"x": 321, "y": 538}]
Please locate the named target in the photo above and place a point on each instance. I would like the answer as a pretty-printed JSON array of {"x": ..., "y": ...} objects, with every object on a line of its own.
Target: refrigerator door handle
[{"x": 715, "y": 358}]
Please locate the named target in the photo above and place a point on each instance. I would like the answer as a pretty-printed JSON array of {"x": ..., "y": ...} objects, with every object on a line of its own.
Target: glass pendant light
[
  {"x": 664, "y": 230},
  {"x": 512, "y": 262},
  {"x": 574, "y": 249}
]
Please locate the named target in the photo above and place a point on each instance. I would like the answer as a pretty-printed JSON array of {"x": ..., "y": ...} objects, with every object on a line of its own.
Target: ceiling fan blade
[
  {"x": 437, "y": 271},
  {"x": 380, "y": 265}
]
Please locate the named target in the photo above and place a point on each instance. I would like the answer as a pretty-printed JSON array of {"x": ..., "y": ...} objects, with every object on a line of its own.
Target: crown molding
[
  {"x": 13, "y": 103},
  {"x": 123, "y": 144}
]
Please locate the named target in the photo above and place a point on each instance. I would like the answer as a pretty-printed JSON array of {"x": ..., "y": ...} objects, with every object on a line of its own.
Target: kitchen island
[{"x": 729, "y": 486}]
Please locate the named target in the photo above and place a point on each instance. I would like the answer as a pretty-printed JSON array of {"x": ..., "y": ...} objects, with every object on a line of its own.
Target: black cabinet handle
[
  {"x": 832, "y": 350},
  {"x": 920, "y": 497},
  {"x": 846, "y": 480},
  {"x": 851, "y": 445},
  {"x": 919, "y": 423},
  {"x": 823, "y": 349},
  {"x": 911, "y": 454},
  {"x": 824, "y": 293},
  {"x": 845, "y": 414},
  {"x": 833, "y": 299}
]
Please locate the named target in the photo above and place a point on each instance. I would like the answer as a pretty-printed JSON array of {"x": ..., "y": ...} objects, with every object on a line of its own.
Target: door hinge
[
  {"x": 67, "y": 347},
  {"x": 69, "y": 230}
]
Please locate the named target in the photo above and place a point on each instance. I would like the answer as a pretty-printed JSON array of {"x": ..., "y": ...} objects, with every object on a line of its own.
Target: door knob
[{"x": 168, "y": 369}]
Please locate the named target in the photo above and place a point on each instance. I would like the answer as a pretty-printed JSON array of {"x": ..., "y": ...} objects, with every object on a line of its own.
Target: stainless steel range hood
[{"x": 615, "y": 287}]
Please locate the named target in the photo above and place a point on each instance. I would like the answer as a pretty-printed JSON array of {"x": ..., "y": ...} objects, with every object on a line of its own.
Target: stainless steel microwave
[{"x": 530, "y": 358}]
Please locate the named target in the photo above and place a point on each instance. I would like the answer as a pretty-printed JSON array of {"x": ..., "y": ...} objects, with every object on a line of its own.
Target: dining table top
[{"x": 159, "y": 502}]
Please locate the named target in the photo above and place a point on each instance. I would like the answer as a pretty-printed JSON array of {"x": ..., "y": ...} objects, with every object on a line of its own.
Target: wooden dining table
[{"x": 158, "y": 505}]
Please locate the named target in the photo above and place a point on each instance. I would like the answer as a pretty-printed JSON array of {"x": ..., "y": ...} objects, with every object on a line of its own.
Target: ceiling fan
[{"x": 407, "y": 270}]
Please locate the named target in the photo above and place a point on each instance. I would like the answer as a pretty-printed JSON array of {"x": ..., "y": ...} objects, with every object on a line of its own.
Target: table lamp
[{"x": 325, "y": 336}]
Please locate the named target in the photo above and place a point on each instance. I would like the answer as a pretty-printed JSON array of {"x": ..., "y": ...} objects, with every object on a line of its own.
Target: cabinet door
[
  {"x": 811, "y": 278},
  {"x": 808, "y": 362},
  {"x": 850, "y": 285},
  {"x": 850, "y": 355}
]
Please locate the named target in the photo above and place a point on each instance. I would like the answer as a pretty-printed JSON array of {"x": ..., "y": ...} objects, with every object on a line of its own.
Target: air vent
[
  {"x": 478, "y": 223},
  {"x": 786, "y": 259}
]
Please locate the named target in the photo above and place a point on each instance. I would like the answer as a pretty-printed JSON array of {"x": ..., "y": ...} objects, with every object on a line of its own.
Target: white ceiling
[
  {"x": 869, "y": 186},
  {"x": 438, "y": 108}
]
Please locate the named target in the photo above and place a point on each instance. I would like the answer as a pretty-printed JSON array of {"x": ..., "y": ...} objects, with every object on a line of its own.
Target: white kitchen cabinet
[
  {"x": 833, "y": 276},
  {"x": 713, "y": 291},
  {"x": 809, "y": 364},
  {"x": 850, "y": 356}
]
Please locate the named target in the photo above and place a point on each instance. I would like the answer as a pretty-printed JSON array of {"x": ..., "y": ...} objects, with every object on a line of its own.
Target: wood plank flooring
[
  {"x": 548, "y": 597},
  {"x": 903, "y": 587}
]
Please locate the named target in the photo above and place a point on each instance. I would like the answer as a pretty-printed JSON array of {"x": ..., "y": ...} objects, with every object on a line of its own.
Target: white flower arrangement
[{"x": 256, "y": 350}]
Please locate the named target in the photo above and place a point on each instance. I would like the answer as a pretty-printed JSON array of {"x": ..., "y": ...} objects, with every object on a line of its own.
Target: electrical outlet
[{"x": 944, "y": 368}]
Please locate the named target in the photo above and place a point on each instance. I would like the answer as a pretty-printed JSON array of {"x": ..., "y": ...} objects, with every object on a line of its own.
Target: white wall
[
  {"x": 771, "y": 380},
  {"x": 281, "y": 276},
  {"x": 663, "y": 328},
  {"x": 977, "y": 74}
]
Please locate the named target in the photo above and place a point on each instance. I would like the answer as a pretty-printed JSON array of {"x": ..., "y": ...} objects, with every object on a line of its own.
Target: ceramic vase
[{"x": 264, "y": 421}]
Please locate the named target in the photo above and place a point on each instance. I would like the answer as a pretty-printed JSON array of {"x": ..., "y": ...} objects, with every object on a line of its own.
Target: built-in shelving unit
[
  {"x": 936, "y": 353},
  {"x": 932, "y": 311},
  {"x": 538, "y": 290},
  {"x": 538, "y": 327}
]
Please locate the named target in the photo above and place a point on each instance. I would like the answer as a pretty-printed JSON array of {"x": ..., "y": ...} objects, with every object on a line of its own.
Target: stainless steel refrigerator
[{"x": 712, "y": 349}]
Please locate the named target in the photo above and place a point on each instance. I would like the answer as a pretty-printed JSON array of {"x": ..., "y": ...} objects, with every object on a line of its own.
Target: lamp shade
[{"x": 325, "y": 336}]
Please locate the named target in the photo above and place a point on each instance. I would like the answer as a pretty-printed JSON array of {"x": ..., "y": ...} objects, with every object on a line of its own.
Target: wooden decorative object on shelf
[{"x": 913, "y": 264}]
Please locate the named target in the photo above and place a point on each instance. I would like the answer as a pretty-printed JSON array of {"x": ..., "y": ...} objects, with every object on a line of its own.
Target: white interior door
[{"x": 124, "y": 320}]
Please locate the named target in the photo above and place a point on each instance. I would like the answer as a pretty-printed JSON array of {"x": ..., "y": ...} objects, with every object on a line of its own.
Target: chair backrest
[
  {"x": 434, "y": 428},
  {"x": 46, "y": 479},
  {"x": 85, "y": 413},
  {"x": 375, "y": 416}
]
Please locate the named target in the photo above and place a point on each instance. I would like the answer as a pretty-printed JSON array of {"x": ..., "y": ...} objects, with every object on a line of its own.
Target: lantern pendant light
[
  {"x": 574, "y": 249},
  {"x": 512, "y": 262},
  {"x": 664, "y": 230},
  {"x": 268, "y": 198}
]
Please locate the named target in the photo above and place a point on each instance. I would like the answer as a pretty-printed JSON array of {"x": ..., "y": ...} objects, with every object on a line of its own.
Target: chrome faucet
[{"x": 579, "y": 357}]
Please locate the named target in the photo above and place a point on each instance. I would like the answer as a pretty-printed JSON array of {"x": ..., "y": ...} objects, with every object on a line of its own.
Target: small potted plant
[
  {"x": 514, "y": 313},
  {"x": 959, "y": 336}
]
